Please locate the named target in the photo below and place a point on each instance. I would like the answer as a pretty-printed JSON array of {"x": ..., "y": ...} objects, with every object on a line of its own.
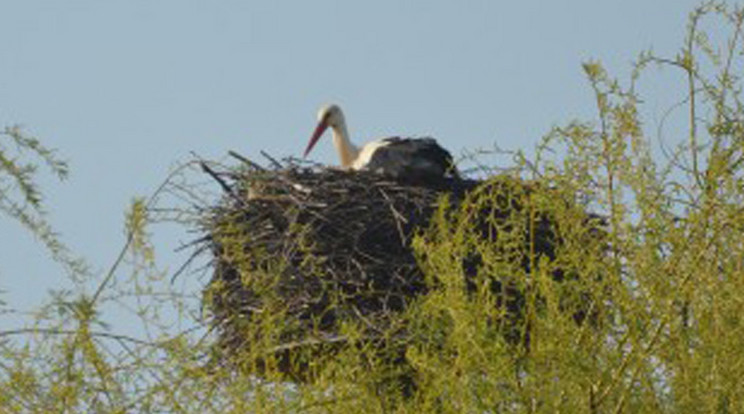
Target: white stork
[{"x": 394, "y": 156}]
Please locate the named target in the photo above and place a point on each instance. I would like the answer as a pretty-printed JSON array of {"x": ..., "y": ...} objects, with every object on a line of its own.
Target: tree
[
  {"x": 665, "y": 333},
  {"x": 20, "y": 196}
]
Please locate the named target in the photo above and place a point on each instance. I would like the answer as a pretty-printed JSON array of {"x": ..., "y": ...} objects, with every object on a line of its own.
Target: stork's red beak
[{"x": 319, "y": 130}]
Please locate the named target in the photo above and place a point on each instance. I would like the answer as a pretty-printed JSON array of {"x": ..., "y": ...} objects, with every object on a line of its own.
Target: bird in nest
[{"x": 396, "y": 157}]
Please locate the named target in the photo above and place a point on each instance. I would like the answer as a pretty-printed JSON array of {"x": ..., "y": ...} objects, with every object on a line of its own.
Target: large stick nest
[{"x": 314, "y": 247}]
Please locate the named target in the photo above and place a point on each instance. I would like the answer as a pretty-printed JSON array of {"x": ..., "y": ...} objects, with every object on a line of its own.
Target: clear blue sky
[{"x": 126, "y": 89}]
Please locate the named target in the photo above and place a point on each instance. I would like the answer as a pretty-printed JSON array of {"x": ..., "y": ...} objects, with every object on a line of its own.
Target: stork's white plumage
[{"x": 393, "y": 156}]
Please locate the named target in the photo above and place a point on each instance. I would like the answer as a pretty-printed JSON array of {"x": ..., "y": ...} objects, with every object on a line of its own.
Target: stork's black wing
[{"x": 415, "y": 158}]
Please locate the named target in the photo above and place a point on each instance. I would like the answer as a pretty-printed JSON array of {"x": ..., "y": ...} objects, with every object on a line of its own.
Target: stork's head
[{"x": 328, "y": 116}]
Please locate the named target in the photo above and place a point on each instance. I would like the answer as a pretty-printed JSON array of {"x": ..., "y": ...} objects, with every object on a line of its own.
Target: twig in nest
[
  {"x": 246, "y": 161},
  {"x": 398, "y": 217},
  {"x": 226, "y": 188},
  {"x": 276, "y": 164}
]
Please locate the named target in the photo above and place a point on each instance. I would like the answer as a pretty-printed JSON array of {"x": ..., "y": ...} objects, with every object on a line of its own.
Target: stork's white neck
[{"x": 347, "y": 151}]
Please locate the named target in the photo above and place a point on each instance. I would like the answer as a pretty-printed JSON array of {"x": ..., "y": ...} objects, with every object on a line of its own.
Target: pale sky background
[{"x": 126, "y": 89}]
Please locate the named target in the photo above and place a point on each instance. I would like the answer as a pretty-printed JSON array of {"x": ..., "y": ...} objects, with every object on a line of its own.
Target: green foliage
[
  {"x": 646, "y": 316},
  {"x": 20, "y": 196}
]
